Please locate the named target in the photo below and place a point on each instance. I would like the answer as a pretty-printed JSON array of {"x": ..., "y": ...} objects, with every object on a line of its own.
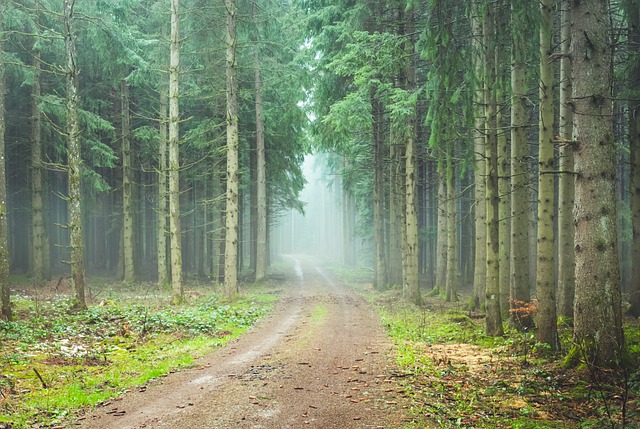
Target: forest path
[{"x": 321, "y": 360}]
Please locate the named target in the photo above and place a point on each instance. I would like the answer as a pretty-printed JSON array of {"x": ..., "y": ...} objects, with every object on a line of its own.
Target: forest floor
[{"x": 331, "y": 353}]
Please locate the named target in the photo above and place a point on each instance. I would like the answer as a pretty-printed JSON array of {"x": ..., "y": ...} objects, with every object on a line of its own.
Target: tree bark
[
  {"x": 480, "y": 267},
  {"x": 4, "y": 243},
  {"x": 381, "y": 275},
  {"x": 519, "y": 263},
  {"x": 452, "y": 251},
  {"x": 492, "y": 292},
  {"x": 232, "y": 209},
  {"x": 597, "y": 315},
  {"x": 633, "y": 18},
  {"x": 547, "y": 332},
  {"x": 441, "y": 239},
  {"x": 261, "y": 239},
  {"x": 566, "y": 185},
  {"x": 163, "y": 273},
  {"x": 127, "y": 186},
  {"x": 74, "y": 158},
  {"x": 174, "y": 157}
]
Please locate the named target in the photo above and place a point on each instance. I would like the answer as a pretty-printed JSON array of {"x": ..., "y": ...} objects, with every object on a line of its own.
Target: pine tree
[{"x": 4, "y": 242}]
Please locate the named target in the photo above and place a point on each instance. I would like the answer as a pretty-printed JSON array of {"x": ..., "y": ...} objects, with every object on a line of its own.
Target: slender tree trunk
[
  {"x": 480, "y": 257},
  {"x": 163, "y": 273},
  {"x": 381, "y": 276},
  {"x": 74, "y": 158},
  {"x": 566, "y": 185},
  {"x": 411, "y": 279},
  {"x": 232, "y": 209},
  {"x": 4, "y": 242},
  {"x": 127, "y": 186},
  {"x": 519, "y": 264},
  {"x": 492, "y": 292},
  {"x": 441, "y": 239},
  {"x": 547, "y": 332},
  {"x": 452, "y": 251},
  {"x": 174, "y": 157},
  {"x": 597, "y": 315},
  {"x": 261, "y": 239},
  {"x": 40, "y": 271},
  {"x": 396, "y": 218},
  {"x": 633, "y": 16}
]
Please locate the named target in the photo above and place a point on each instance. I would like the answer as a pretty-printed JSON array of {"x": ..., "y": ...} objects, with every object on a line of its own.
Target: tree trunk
[
  {"x": 40, "y": 270},
  {"x": 127, "y": 186},
  {"x": 519, "y": 263},
  {"x": 381, "y": 276},
  {"x": 232, "y": 210},
  {"x": 163, "y": 273},
  {"x": 492, "y": 292},
  {"x": 566, "y": 185},
  {"x": 441, "y": 239},
  {"x": 480, "y": 267},
  {"x": 4, "y": 243},
  {"x": 633, "y": 17},
  {"x": 547, "y": 332},
  {"x": 174, "y": 157},
  {"x": 597, "y": 315},
  {"x": 261, "y": 239},
  {"x": 411, "y": 279},
  {"x": 452, "y": 251},
  {"x": 396, "y": 209},
  {"x": 74, "y": 158}
]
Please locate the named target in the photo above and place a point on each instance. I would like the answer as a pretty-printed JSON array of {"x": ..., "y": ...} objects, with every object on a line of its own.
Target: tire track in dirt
[{"x": 321, "y": 361}]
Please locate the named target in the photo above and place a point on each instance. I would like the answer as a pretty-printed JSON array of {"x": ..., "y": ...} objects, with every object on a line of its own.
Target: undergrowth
[
  {"x": 454, "y": 376},
  {"x": 55, "y": 361}
]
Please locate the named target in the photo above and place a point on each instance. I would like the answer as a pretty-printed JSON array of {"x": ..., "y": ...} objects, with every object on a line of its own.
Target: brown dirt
[{"x": 321, "y": 360}]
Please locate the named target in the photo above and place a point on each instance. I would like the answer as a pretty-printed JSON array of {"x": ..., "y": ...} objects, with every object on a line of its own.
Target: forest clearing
[{"x": 320, "y": 358}]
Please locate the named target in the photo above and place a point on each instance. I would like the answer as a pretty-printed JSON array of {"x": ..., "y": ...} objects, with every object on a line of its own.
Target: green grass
[{"x": 128, "y": 338}]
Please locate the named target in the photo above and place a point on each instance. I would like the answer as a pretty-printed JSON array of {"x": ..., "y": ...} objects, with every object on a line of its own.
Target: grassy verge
[
  {"x": 453, "y": 376},
  {"x": 54, "y": 362}
]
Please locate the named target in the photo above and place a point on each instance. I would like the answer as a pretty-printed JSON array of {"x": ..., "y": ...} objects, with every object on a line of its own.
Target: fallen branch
[{"x": 40, "y": 377}]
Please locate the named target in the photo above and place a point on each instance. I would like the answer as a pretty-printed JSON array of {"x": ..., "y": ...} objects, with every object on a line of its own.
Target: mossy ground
[{"x": 454, "y": 376}]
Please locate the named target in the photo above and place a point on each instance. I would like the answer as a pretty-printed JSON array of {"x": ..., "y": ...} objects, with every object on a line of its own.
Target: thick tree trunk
[
  {"x": 74, "y": 158},
  {"x": 4, "y": 243},
  {"x": 566, "y": 185},
  {"x": 519, "y": 263},
  {"x": 441, "y": 239},
  {"x": 174, "y": 157},
  {"x": 127, "y": 186},
  {"x": 232, "y": 209},
  {"x": 40, "y": 270},
  {"x": 261, "y": 215},
  {"x": 547, "y": 332},
  {"x": 597, "y": 315},
  {"x": 633, "y": 17},
  {"x": 396, "y": 211},
  {"x": 492, "y": 292},
  {"x": 480, "y": 267},
  {"x": 163, "y": 272},
  {"x": 503, "y": 184}
]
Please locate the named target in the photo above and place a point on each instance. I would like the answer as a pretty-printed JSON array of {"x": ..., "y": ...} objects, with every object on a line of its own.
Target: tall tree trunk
[
  {"x": 381, "y": 275},
  {"x": 566, "y": 185},
  {"x": 74, "y": 158},
  {"x": 492, "y": 292},
  {"x": 127, "y": 186},
  {"x": 411, "y": 279},
  {"x": 163, "y": 272},
  {"x": 452, "y": 251},
  {"x": 174, "y": 157},
  {"x": 232, "y": 209},
  {"x": 441, "y": 239},
  {"x": 4, "y": 242},
  {"x": 261, "y": 239},
  {"x": 547, "y": 332},
  {"x": 396, "y": 209},
  {"x": 480, "y": 267},
  {"x": 633, "y": 17},
  {"x": 40, "y": 270},
  {"x": 519, "y": 264},
  {"x": 597, "y": 314}
]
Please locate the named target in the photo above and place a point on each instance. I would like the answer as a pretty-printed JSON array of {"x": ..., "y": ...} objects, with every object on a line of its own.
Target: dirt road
[{"x": 320, "y": 361}]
